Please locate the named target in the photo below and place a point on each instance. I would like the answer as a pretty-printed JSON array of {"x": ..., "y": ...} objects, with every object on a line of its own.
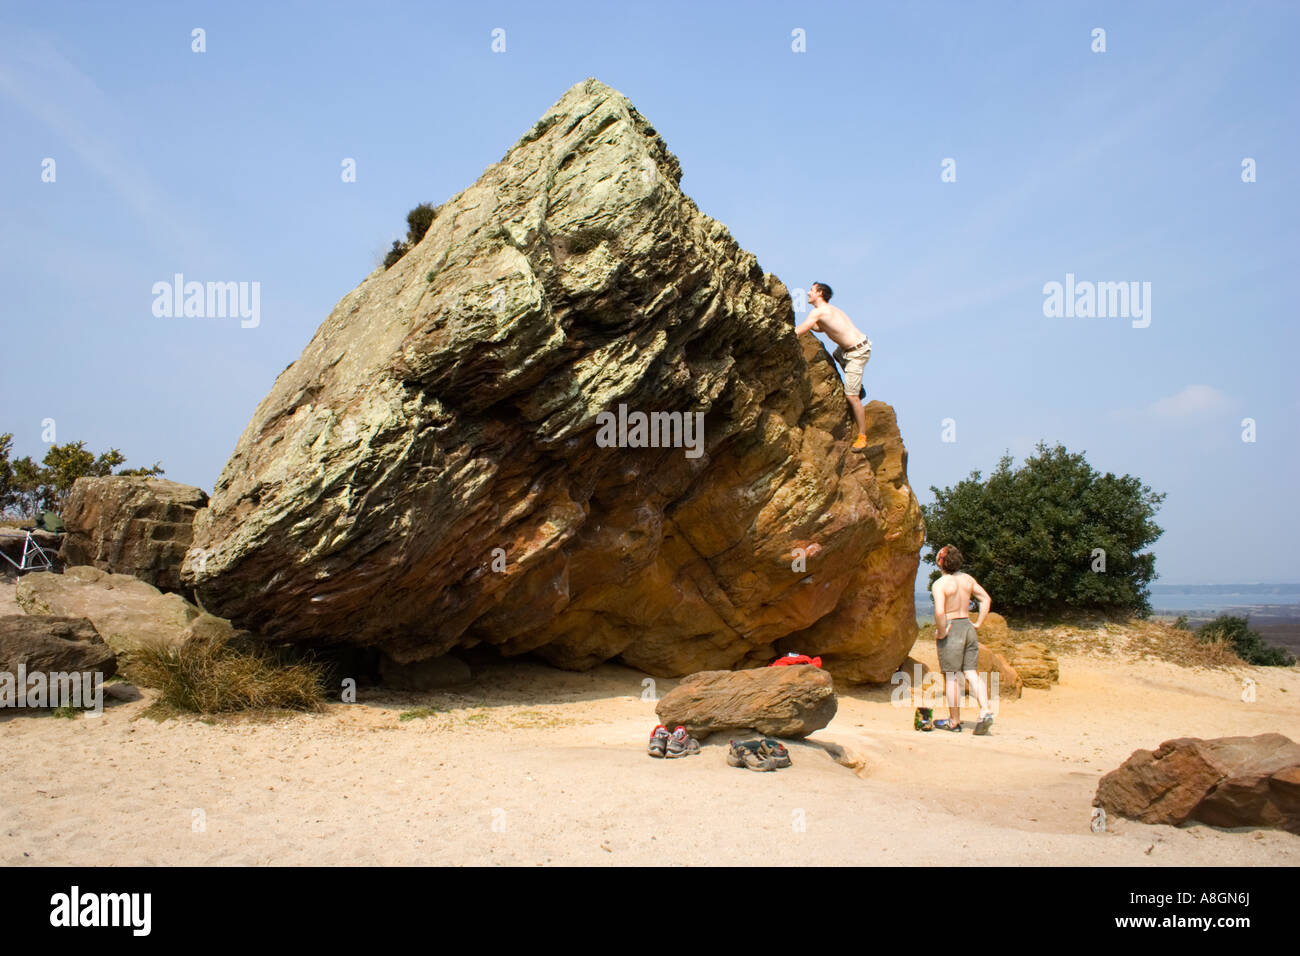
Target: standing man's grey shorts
[
  {"x": 854, "y": 362},
  {"x": 960, "y": 650}
]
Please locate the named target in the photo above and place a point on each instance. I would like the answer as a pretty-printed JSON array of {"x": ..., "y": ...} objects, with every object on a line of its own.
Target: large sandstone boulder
[
  {"x": 791, "y": 701},
  {"x": 1226, "y": 782},
  {"x": 126, "y": 611},
  {"x": 131, "y": 525},
  {"x": 53, "y": 645},
  {"x": 437, "y": 470}
]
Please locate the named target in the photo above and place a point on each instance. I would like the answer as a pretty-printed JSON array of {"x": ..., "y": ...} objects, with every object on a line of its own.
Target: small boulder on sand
[
  {"x": 1036, "y": 665},
  {"x": 51, "y": 644},
  {"x": 126, "y": 611},
  {"x": 1033, "y": 663},
  {"x": 1224, "y": 781},
  {"x": 791, "y": 701}
]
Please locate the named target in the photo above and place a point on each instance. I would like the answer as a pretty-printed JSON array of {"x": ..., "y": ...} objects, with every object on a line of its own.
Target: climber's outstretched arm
[{"x": 811, "y": 323}]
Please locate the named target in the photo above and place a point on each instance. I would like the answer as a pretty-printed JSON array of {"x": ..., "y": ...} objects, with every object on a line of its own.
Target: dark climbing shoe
[
  {"x": 748, "y": 754},
  {"x": 776, "y": 751}
]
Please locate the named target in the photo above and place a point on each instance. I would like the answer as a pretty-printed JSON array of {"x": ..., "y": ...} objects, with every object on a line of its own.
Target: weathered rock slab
[
  {"x": 792, "y": 701},
  {"x": 131, "y": 525},
  {"x": 52, "y": 644},
  {"x": 1224, "y": 781},
  {"x": 126, "y": 611}
]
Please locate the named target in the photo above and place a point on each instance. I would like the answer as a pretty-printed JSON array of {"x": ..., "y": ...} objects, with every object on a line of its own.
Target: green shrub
[
  {"x": 1249, "y": 645},
  {"x": 395, "y": 253},
  {"x": 418, "y": 221},
  {"x": 1030, "y": 535}
]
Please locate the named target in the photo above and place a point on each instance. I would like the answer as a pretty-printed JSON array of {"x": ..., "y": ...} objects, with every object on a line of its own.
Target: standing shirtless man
[
  {"x": 853, "y": 352},
  {"x": 957, "y": 641}
]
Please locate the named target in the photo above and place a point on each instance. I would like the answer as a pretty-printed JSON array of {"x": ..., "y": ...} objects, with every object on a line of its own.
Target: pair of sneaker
[
  {"x": 981, "y": 729},
  {"x": 677, "y": 744},
  {"x": 764, "y": 754}
]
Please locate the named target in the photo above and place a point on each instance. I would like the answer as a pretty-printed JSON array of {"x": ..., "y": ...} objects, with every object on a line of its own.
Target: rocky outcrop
[
  {"x": 456, "y": 458},
  {"x": 990, "y": 662},
  {"x": 53, "y": 645},
  {"x": 789, "y": 701},
  {"x": 126, "y": 611},
  {"x": 131, "y": 525},
  {"x": 1036, "y": 665},
  {"x": 1225, "y": 782}
]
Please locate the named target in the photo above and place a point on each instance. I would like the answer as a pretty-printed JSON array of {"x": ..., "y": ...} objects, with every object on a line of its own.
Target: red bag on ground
[{"x": 796, "y": 659}]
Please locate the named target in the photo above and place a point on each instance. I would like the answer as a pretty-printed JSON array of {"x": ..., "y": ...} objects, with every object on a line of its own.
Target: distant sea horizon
[
  {"x": 1178, "y": 598},
  {"x": 1273, "y": 609}
]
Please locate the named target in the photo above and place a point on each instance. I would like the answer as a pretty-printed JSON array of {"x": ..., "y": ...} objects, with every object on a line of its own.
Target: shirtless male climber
[
  {"x": 957, "y": 641},
  {"x": 853, "y": 349}
]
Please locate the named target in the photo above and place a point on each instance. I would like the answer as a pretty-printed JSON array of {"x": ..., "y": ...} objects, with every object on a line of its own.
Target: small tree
[
  {"x": 31, "y": 492},
  {"x": 27, "y": 487},
  {"x": 7, "y": 491},
  {"x": 1051, "y": 535}
]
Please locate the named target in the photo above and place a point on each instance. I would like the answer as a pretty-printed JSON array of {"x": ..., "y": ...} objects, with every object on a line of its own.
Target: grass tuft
[{"x": 221, "y": 676}]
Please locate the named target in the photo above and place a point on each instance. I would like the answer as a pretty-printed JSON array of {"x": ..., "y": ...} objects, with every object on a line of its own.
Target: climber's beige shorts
[{"x": 854, "y": 361}]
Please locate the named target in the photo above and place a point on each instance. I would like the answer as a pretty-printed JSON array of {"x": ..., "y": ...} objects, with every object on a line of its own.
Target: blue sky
[{"x": 1117, "y": 166}]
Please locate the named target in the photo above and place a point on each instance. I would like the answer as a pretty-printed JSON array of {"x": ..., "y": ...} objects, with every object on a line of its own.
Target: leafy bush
[
  {"x": 1030, "y": 534},
  {"x": 395, "y": 253},
  {"x": 418, "y": 221},
  {"x": 214, "y": 675},
  {"x": 1249, "y": 645}
]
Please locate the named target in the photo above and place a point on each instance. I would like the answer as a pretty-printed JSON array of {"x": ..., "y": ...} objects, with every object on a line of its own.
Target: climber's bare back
[
  {"x": 953, "y": 592},
  {"x": 839, "y": 328}
]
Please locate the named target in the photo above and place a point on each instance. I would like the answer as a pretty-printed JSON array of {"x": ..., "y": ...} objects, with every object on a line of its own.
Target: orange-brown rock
[
  {"x": 991, "y": 662},
  {"x": 1036, "y": 665},
  {"x": 1225, "y": 781},
  {"x": 791, "y": 701},
  {"x": 442, "y": 468}
]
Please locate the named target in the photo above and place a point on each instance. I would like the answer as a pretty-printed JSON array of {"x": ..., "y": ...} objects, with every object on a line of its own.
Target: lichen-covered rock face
[{"x": 435, "y": 470}]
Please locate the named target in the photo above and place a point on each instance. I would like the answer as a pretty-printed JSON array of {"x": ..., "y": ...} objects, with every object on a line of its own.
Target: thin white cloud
[
  {"x": 37, "y": 78},
  {"x": 1191, "y": 402}
]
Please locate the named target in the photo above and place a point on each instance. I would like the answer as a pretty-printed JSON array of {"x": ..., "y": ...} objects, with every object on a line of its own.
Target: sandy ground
[{"x": 533, "y": 766}]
